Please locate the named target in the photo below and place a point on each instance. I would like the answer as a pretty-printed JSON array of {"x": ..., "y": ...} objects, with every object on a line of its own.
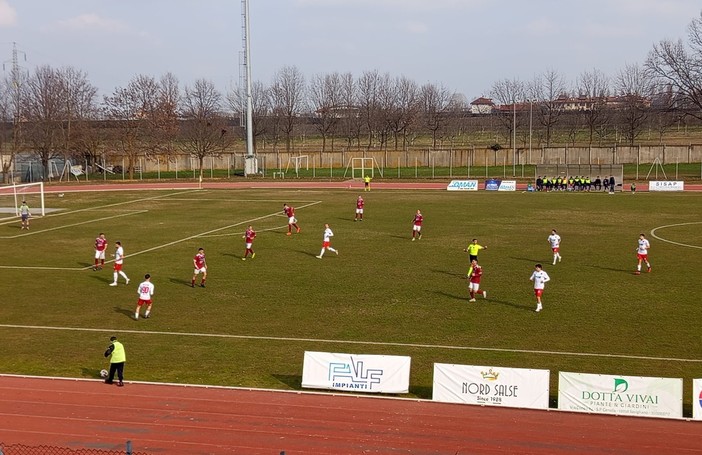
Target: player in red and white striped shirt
[
  {"x": 200, "y": 267},
  {"x": 249, "y": 235},
  {"x": 100, "y": 247}
]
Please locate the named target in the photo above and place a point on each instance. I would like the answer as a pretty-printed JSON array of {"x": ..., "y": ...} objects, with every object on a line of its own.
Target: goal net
[
  {"x": 12, "y": 197},
  {"x": 298, "y": 162},
  {"x": 360, "y": 167}
]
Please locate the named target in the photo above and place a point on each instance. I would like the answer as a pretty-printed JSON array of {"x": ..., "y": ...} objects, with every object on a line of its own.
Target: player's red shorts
[
  {"x": 326, "y": 244},
  {"x": 118, "y": 267},
  {"x": 555, "y": 250},
  {"x": 642, "y": 257},
  {"x": 538, "y": 292},
  {"x": 144, "y": 302}
]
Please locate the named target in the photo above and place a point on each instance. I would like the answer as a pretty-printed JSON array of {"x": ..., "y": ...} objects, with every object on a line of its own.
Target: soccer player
[
  {"x": 417, "y": 226},
  {"x": 146, "y": 292},
  {"x": 473, "y": 248},
  {"x": 359, "y": 209},
  {"x": 25, "y": 214},
  {"x": 119, "y": 259},
  {"x": 366, "y": 182},
  {"x": 476, "y": 272},
  {"x": 200, "y": 267},
  {"x": 642, "y": 253},
  {"x": 326, "y": 244},
  {"x": 539, "y": 277},
  {"x": 100, "y": 247},
  {"x": 555, "y": 240},
  {"x": 249, "y": 235},
  {"x": 292, "y": 221}
]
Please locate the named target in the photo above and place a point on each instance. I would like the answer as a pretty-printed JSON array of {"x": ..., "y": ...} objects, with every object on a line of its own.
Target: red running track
[{"x": 173, "y": 419}]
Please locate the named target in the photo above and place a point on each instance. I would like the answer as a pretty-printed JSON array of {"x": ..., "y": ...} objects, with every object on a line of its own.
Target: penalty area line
[
  {"x": 354, "y": 342},
  {"x": 653, "y": 234}
]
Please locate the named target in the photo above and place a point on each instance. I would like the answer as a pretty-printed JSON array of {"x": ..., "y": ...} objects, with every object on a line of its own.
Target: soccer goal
[
  {"x": 31, "y": 193},
  {"x": 298, "y": 162},
  {"x": 360, "y": 167}
]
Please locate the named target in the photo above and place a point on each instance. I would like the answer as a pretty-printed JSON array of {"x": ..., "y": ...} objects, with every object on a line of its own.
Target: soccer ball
[{"x": 103, "y": 373}]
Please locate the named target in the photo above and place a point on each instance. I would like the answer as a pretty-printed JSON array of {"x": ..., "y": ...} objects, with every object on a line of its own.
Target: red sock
[
  {"x": 203, "y": 281},
  {"x": 192, "y": 282},
  {"x": 96, "y": 262},
  {"x": 472, "y": 294}
]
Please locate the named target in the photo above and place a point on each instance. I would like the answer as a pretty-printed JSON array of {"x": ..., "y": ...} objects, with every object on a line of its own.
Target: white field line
[
  {"x": 243, "y": 232},
  {"x": 64, "y": 226},
  {"x": 355, "y": 342},
  {"x": 653, "y": 234}
]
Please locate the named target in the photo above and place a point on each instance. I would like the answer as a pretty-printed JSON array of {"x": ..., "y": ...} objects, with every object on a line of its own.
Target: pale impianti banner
[
  {"x": 621, "y": 395},
  {"x": 491, "y": 386},
  {"x": 666, "y": 185},
  {"x": 697, "y": 399},
  {"x": 356, "y": 372}
]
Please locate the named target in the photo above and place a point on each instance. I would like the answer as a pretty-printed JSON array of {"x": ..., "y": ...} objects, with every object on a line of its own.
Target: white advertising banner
[
  {"x": 507, "y": 185},
  {"x": 491, "y": 386},
  {"x": 697, "y": 399},
  {"x": 666, "y": 185},
  {"x": 462, "y": 185},
  {"x": 353, "y": 372},
  {"x": 621, "y": 395}
]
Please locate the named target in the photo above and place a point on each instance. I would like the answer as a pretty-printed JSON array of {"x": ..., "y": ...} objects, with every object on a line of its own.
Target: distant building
[{"x": 482, "y": 105}]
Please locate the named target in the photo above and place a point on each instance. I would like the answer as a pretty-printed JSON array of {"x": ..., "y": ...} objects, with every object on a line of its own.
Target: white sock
[
  {"x": 147, "y": 313},
  {"x": 332, "y": 250},
  {"x": 321, "y": 253},
  {"x": 115, "y": 275},
  {"x": 136, "y": 315},
  {"x": 124, "y": 275}
]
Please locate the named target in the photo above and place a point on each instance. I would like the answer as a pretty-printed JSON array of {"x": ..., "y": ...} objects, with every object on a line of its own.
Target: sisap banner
[
  {"x": 491, "y": 386},
  {"x": 492, "y": 184},
  {"x": 666, "y": 185},
  {"x": 507, "y": 185},
  {"x": 462, "y": 185},
  {"x": 620, "y": 395},
  {"x": 356, "y": 373},
  {"x": 697, "y": 399}
]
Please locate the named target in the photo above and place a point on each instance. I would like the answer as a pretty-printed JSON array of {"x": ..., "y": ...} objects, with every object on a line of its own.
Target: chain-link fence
[{"x": 21, "y": 449}]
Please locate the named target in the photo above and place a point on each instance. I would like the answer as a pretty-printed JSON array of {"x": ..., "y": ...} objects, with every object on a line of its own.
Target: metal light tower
[{"x": 251, "y": 163}]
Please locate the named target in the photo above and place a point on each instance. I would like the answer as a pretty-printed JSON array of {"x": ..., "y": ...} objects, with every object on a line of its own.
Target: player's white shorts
[
  {"x": 417, "y": 228},
  {"x": 201, "y": 270},
  {"x": 292, "y": 220},
  {"x": 473, "y": 286},
  {"x": 248, "y": 245},
  {"x": 99, "y": 254},
  {"x": 359, "y": 211}
]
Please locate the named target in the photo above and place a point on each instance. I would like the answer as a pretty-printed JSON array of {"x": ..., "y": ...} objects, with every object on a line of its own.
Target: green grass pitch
[{"x": 383, "y": 294}]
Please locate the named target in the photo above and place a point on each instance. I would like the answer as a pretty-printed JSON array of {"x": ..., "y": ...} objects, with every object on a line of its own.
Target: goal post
[
  {"x": 360, "y": 167},
  {"x": 32, "y": 193},
  {"x": 298, "y": 162}
]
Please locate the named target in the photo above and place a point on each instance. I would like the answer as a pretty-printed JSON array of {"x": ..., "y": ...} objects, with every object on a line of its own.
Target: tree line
[{"x": 56, "y": 112}]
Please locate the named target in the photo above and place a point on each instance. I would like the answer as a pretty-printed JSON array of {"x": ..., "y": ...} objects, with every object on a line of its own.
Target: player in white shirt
[
  {"x": 326, "y": 244},
  {"x": 642, "y": 253},
  {"x": 145, "y": 291},
  {"x": 555, "y": 240},
  {"x": 119, "y": 259},
  {"x": 539, "y": 277}
]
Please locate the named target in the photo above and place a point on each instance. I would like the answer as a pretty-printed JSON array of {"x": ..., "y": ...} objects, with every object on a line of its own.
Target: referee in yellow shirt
[{"x": 473, "y": 248}]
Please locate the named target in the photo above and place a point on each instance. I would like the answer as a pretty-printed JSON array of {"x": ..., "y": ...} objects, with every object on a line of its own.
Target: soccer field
[{"x": 383, "y": 294}]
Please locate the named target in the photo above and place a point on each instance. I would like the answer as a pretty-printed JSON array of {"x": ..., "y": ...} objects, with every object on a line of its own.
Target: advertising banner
[
  {"x": 492, "y": 184},
  {"x": 621, "y": 395},
  {"x": 666, "y": 185},
  {"x": 697, "y": 399},
  {"x": 357, "y": 373},
  {"x": 491, "y": 386},
  {"x": 462, "y": 185},
  {"x": 507, "y": 185}
]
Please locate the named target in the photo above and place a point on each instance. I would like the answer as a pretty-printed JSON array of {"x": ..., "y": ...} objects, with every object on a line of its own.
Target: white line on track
[
  {"x": 356, "y": 342},
  {"x": 653, "y": 234}
]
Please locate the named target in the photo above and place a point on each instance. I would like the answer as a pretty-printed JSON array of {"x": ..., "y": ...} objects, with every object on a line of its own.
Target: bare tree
[
  {"x": 288, "y": 93},
  {"x": 406, "y": 109},
  {"x": 634, "y": 88},
  {"x": 43, "y": 102},
  {"x": 134, "y": 112},
  {"x": 325, "y": 97},
  {"x": 204, "y": 130},
  {"x": 351, "y": 121},
  {"x": 546, "y": 89},
  {"x": 508, "y": 93},
  {"x": 261, "y": 108},
  {"x": 369, "y": 98},
  {"x": 436, "y": 104},
  {"x": 593, "y": 86},
  {"x": 674, "y": 64}
]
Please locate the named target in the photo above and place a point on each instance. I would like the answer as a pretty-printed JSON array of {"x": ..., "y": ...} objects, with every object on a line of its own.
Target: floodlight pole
[
  {"x": 531, "y": 116},
  {"x": 250, "y": 165},
  {"x": 514, "y": 137}
]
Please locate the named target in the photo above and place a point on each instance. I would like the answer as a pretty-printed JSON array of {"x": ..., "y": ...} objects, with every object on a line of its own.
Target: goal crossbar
[{"x": 20, "y": 192}]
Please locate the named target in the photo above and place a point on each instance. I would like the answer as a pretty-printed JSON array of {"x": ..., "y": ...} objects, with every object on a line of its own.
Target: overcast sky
[{"x": 465, "y": 44}]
